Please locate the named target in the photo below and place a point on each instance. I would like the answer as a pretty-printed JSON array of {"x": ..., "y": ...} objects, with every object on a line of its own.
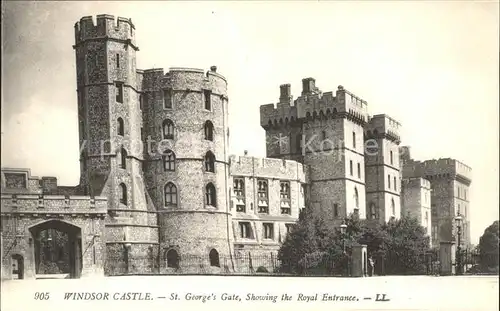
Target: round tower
[
  {"x": 110, "y": 124},
  {"x": 187, "y": 169}
]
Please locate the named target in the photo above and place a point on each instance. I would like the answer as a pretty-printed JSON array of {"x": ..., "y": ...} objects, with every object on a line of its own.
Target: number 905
[{"x": 42, "y": 296}]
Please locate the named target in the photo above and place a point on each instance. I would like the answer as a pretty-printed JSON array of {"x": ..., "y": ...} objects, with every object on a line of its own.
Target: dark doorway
[
  {"x": 17, "y": 267},
  {"x": 58, "y": 249},
  {"x": 172, "y": 259},
  {"x": 214, "y": 258}
]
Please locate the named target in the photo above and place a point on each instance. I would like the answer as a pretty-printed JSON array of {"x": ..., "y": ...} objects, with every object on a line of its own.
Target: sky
[{"x": 431, "y": 65}]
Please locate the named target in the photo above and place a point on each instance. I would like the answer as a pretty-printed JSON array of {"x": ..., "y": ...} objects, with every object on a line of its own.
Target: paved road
[{"x": 474, "y": 293}]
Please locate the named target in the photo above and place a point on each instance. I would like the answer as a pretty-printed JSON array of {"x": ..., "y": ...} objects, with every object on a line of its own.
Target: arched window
[
  {"x": 214, "y": 258},
  {"x": 209, "y": 162},
  {"x": 373, "y": 211},
  {"x": 210, "y": 195},
  {"x": 121, "y": 128},
  {"x": 298, "y": 142},
  {"x": 209, "y": 131},
  {"x": 393, "y": 208},
  {"x": 170, "y": 194},
  {"x": 123, "y": 158},
  {"x": 123, "y": 194},
  {"x": 168, "y": 129},
  {"x": 172, "y": 259},
  {"x": 356, "y": 198},
  {"x": 168, "y": 160}
]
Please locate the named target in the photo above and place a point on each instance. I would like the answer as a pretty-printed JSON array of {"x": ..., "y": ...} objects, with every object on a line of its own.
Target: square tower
[
  {"x": 326, "y": 134},
  {"x": 382, "y": 168},
  {"x": 416, "y": 202}
]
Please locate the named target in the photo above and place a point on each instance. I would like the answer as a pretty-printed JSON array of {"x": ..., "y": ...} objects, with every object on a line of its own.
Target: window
[
  {"x": 335, "y": 210},
  {"x": 458, "y": 192},
  {"x": 288, "y": 228},
  {"x": 210, "y": 162},
  {"x": 395, "y": 184},
  {"x": 119, "y": 92},
  {"x": 172, "y": 259},
  {"x": 458, "y": 210},
  {"x": 238, "y": 187},
  {"x": 168, "y": 129},
  {"x": 208, "y": 99},
  {"x": 389, "y": 181},
  {"x": 141, "y": 101},
  {"x": 168, "y": 160},
  {"x": 142, "y": 134},
  {"x": 392, "y": 161},
  {"x": 356, "y": 198},
  {"x": 262, "y": 191},
  {"x": 350, "y": 167},
  {"x": 354, "y": 140},
  {"x": 426, "y": 222},
  {"x": 214, "y": 258},
  {"x": 239, "y": 192},
  {"x": 210, "y": 195},
  {"x": 393, "y": 208},
  {"x": 465, "y": 194},
  {"x": 123, "y": 158},
  {"x": 298, "y": 142},
  {"x": 245, "y": 230},
  {"x": 359, "y": 170},
  {"x": 167, "y": 99},
  {"x": 209, "y": 131},
  {"x": 373, "y": 211},
  {"x": 117, "y": 60},
  {"x": 121, "y": 129},
  {"x": 285, "y": 190},
  {"x": 123, "y": 194},
  {"x": 268, "y": 231},
  {"x": 84, "y": 160},
  {"x": 170, "y": 191}
]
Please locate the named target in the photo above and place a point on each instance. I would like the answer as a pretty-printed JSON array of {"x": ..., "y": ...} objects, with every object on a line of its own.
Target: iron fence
[{"x": 268, "y": 264}]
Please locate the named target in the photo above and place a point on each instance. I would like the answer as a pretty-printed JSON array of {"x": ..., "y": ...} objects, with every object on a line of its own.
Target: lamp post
[
  {"x": 458, "y": 222},
  {"x": 343, "y": 230}
]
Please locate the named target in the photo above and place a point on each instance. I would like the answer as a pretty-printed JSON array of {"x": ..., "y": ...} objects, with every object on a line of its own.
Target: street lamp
[
  {"x": 343, "y": 231},
  {"x": 458, "y": 222}
]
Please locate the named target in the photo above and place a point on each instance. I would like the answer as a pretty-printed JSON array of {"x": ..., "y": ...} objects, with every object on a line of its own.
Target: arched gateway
[{"x": 46, "y": 235}]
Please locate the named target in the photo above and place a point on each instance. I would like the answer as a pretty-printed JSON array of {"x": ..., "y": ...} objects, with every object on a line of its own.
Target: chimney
[
  {"x": 213, "y": 68},
  {"x": 49, "y": 185},
  {"x": 308, "y": 85},
  {"x": 285, "y": 93},
  {"x": 245, "y": 152}
]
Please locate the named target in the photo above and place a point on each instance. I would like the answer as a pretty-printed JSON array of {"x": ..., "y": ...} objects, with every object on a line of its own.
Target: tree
[
  {"x": 488, "y": 248},
  {"x": 406, "y": 248},
  {"x": 315, "y": 244},
  {"x": 306, "y": 246}
]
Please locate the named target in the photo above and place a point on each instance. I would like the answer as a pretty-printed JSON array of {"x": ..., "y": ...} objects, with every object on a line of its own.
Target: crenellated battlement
[
  {"x": 268, "y": 168},
  {"x": 182, "y": 79},
  {"x": 313, "y": 104},
  {"x": 382, "y": 125},
  {"x": 105, "y": 27},
  {"x": 440, "y": 168},
  {"x": 52, "y": 204}
]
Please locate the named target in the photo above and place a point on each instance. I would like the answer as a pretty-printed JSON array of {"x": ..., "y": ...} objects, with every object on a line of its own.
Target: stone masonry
[
  {"x": 158, "y": 187},
  {"x": 449, "y": 181}
]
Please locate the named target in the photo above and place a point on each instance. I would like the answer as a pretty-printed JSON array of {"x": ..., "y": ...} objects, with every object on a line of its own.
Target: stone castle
[{"x": 157, "y": 185}]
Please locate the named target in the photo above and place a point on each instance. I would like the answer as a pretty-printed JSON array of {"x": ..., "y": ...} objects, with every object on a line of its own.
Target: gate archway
[{"x": 47, "y": 247}]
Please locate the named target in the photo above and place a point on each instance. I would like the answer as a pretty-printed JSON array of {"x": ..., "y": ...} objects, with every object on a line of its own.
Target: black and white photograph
[{"x": 323, "y": 155}]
